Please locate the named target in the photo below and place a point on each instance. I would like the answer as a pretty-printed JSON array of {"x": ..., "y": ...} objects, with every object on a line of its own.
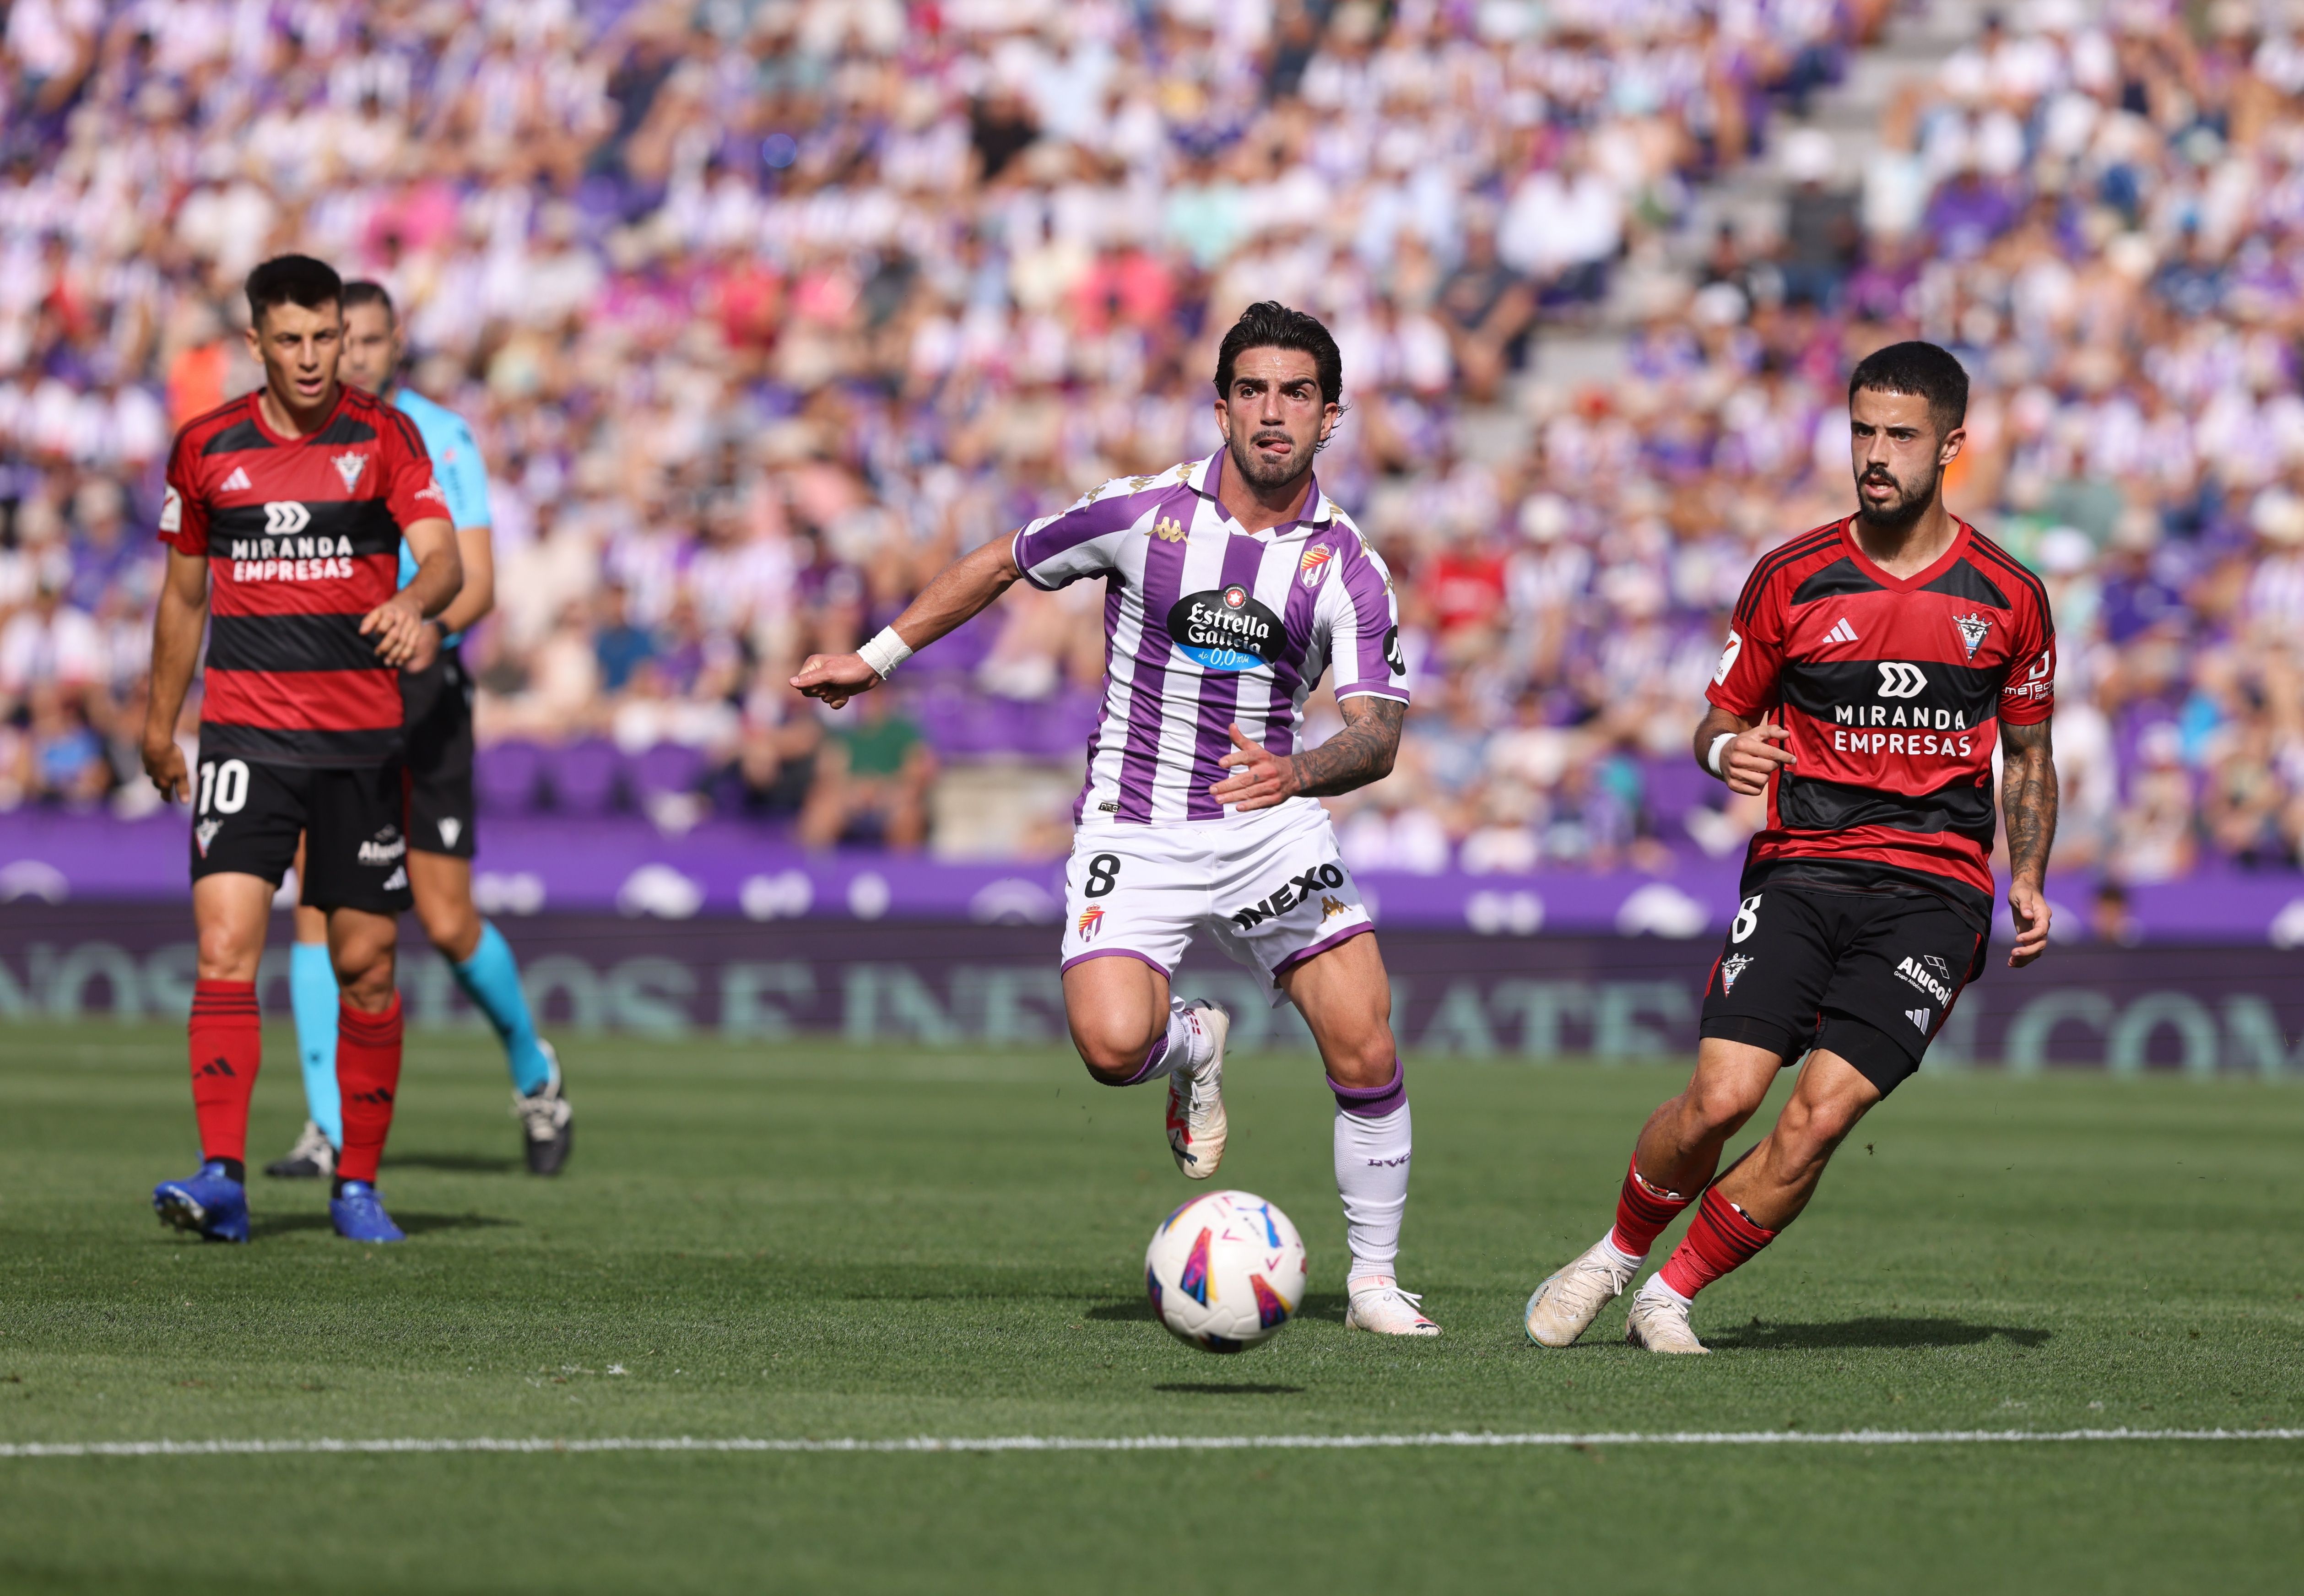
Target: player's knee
[
  {"x": 1807, "y": 1131},
  {"x": 225, "y": 954},
  {"x": 1369, "y": 1060},
  {"x": 452, "y": 927},
  {"x": 1717, "y": 1108}
]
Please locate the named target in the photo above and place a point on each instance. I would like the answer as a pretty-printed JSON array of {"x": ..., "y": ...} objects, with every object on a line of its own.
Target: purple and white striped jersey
[{"x": 1206, "y": 624}]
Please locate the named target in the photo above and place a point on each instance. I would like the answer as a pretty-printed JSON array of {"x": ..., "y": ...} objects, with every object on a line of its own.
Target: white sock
[
  {"x": 1189, "y": 1044},
  {"x": 1628, "y": 1260},
  {"x": 1372, "y": 1178},
  {"x": 1657, "y": 1287}
]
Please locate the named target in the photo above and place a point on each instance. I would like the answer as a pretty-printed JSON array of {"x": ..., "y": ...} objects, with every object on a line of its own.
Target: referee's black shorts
[
  {"x": 1868, "y": 975},
  {"x": 439, "y": 717}
]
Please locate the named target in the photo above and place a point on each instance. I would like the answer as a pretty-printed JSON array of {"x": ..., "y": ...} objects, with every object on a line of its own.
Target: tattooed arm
[
  {"x": 1360, "y": 754},
  {"x": 2028, "y": 799}
]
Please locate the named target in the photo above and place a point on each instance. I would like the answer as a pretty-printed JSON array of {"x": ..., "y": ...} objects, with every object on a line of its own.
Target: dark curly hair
[{"x": 1270, "y": 325}]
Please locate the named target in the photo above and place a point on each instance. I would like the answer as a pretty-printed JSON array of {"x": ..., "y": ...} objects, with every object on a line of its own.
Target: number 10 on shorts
[{"x": 224, "y": 788}]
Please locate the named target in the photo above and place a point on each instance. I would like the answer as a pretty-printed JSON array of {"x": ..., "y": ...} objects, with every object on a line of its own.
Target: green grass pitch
[{"x": 806, "y": 1240}]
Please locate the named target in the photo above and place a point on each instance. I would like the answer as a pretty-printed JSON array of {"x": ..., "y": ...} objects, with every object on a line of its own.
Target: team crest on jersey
[
  {"x": 1972, "y": 628},
  {"x": 1090, "y": 920},
  {"x": 205, "y": 833},
  {"x": 1168, "y": 529},
  {"x": 1730, "y": 969},
  {"x": 349, "y": 467},
  {"x": 1314, "y": 565}
]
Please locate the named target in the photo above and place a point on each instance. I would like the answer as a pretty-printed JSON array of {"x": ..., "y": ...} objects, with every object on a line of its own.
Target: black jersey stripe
[
  {"x": 238, "y": 531},
  {"x": 374, "y": 745},
  {"x": 243, "y": 434},
  {"x": 1980, "y": 544},
  {"x": 1967, "y": 580},
  {"x": 1776, "y": 560},
  {"x": 290, "y": 642},
  {"x": 1811, "y": 803},
  {"x": 344, "y": 428}
]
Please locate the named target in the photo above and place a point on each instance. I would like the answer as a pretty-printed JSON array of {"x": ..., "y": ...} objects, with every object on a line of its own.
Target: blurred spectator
[{"x": 872, "y": 778}]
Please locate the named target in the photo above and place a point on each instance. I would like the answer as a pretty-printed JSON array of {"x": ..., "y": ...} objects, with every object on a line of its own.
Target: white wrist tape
[
  {"x": 1712, "y": 755},
  {"x": 884, "y": 652}
]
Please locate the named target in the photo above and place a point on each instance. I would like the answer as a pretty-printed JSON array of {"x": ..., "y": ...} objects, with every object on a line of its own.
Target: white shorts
[{"x": 1271, "y": 890}]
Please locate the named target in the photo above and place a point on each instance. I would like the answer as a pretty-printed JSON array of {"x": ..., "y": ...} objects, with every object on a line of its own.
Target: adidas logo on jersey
[
  {"x": 1842, "y": 632},
  {"x": 237, "y": 482},
  {"x": 1920, "y": 1017}
]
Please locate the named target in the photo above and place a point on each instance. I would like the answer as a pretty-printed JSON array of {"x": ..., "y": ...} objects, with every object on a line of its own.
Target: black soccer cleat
[
  {"x": 313, "y": 1157},
  {"x": 547, "y": 1127}
]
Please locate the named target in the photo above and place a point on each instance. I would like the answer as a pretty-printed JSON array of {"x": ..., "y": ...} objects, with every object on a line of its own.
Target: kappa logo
[
  {"x": 1168, "y": 529},
  {"x": 450, "y": 829},
  {"x": 1298, "y": 890},
  {"x": 1972, "y": 628},
  {"x": 1091, "y": 920},
  {"x": 1920, "y": 1017},
  {"x": 1735, "y": 965},
  {"x": 237, "y": 482},
  {"x": 1842, "y": 632},
  {"x": 1900, "y": 679},
  {"x": 1314, "y": 565},
  {"x": 284, "y": 516},
  {"x": 350, "y": 467},
  {"x": 205, "y": 833},
  {"x": 1330, "y": 907}
]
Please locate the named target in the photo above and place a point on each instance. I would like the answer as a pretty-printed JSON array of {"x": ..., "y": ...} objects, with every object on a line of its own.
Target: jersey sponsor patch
[
  {"x": 1900, "y": 679},
  {"x": 285, "y": 517},
  {"x": 1298, "y": 890},
  {"x": 1393, "y": 657},
  {"x": 1225, "y": 629},
  {"x": 1728, "y": 657},
  {"x": 1929, "y": 973},
  {"x": 172, "y": 511}
]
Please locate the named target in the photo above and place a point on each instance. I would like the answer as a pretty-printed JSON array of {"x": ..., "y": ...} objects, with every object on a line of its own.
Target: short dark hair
[
  {"x": 1270, "y": 325},
  {"x": 293, "y": 280},
  {"x": 362, "y": 290},
  {"x": 1924, "y": 371}
]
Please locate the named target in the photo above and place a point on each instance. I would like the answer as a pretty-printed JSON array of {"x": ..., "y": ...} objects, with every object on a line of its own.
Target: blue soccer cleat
[
  {"x": 359, "y": 1215},
  {"x": 211, "y": 1205}
]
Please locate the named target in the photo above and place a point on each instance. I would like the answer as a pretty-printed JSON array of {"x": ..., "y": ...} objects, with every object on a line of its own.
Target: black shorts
[
  {"x": 247, "y": 816},
  {"x": 439, "y": 707},
  {"x": 1869, "y": 976}
]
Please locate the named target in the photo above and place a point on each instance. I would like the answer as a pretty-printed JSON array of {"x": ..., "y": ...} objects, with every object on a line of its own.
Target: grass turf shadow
[
  {"x": 1319, "y": 1304},
  {"x": 1203, "y": 1388},
  {"x": 415, "y": 1223},
  {"x": 1876, "y": 1332}
]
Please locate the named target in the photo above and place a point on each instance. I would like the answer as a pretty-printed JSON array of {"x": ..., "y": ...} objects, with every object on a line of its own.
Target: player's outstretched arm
[
  {"x": 961, "y": 591},
  {"x": 1749, "y": 756},
  {"x": 2028, "y": 799},
  {"x": 176, "y": 627},
  {"x": 1362, "y": 752}
]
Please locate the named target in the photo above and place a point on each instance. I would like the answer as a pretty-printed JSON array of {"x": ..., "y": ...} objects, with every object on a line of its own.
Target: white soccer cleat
[
  {"x": 1565, "y": 1306},
  {"x": 1377, "y": 1303},
  {"x": 1660, "y": 1324},
  {"x": 1196, "y": 1110}
]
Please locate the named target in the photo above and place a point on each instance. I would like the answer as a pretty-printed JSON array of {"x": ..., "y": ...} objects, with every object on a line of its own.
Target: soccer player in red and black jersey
[
  {"x": 283, "y": 517},
  {"x": 1871, "y": 670}
]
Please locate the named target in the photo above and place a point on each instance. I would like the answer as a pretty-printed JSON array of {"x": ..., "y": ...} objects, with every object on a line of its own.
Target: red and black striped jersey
[
  {"x": 302, "y": 538},
  {"x": 1893, "y": 690}
]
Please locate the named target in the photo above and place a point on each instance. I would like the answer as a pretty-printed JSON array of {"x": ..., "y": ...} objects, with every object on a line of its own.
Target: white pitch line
[{"x": 1134, "y": 1443}]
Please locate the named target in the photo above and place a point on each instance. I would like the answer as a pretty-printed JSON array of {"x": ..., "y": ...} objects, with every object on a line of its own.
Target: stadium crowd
[{"x": 761, "y": 308}]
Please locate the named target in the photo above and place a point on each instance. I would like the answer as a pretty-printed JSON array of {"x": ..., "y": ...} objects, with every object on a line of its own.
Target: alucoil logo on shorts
[{"x": 1935, "y": 981}]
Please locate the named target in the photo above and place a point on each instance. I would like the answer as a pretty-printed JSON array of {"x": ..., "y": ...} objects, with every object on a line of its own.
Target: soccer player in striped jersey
[
  {"x": 1232, "y": 584},
  {"x": 1872, "y": 666},
  {"x": 284, "y": 515},
  {"x": 438, "y": 697}
]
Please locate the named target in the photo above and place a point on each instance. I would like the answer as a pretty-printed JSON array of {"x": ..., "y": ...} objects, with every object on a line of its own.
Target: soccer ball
[{"x": 1225, "y": 1271}]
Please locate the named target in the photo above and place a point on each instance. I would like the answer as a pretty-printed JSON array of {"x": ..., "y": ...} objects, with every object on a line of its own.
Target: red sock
[
  {"x": 227, "y": 1045},
  {"x": 368, "y": 1074},
  {"x": 1719, "y": 1240},
  {"x": 1642, "y": 1211}
]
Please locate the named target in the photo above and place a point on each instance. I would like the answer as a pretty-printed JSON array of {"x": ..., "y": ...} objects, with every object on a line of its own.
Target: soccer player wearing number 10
[
  {"x": 1232, "y": 584},
  {"x": 1898, "y": 646},
  {"x": 284, "y": 515}
]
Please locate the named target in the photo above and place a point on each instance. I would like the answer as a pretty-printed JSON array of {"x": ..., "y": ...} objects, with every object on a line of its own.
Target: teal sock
[
  {"x": 312, "y": 994},
  {"x": 491, "y": 978}
]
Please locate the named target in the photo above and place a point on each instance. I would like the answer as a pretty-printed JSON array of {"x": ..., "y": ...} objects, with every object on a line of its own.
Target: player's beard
[
  {"x": 1266, "y": 478},
  {"x": 1899, "y": 514}
]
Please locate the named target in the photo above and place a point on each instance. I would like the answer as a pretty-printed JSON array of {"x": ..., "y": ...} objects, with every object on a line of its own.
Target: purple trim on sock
[
  {"x": 1143, "y": 1071},
  {"x": 1372, "y": 1102},
  {"x": 1113, "y": 952},
  {"x": 1302, "y": 954}
]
